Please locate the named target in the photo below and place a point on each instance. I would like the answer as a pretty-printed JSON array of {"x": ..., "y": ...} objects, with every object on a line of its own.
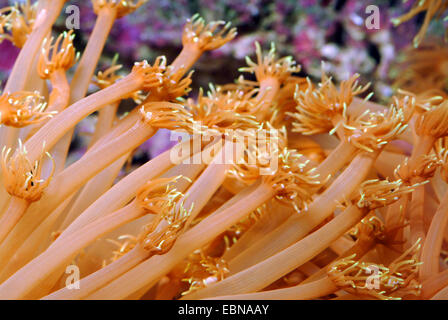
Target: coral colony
[{"x": 278, "y": 187}]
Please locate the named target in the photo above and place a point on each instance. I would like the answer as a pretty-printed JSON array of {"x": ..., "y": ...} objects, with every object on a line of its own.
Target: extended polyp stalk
[
  {"x": 62, "y": 255},
  {"x": 60, "y": 93},
  {"x": 106, "y": 16},
  {"x": 16, "y": 209},
  {"x": 104, "y": 180},
  {"x": 266, "y": 272},
  {"x": 271, "y": 217},
  {"x": 162, "y": 114},
  {"x": 106, "y": 116},
  {"x": 336, "y": 160},
  {"x": 93, "y": 189},
  {"x": 368, "y": 233},
  {"x": 213, "y": 176},
  {"x": 29, "y": 248},
  {"x": 441, "y": 295}
]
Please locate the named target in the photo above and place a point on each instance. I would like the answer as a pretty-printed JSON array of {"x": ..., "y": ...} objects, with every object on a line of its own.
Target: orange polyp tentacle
[
  {"x": 106, "y": 78},
  {"x": 199, "y": 37}
]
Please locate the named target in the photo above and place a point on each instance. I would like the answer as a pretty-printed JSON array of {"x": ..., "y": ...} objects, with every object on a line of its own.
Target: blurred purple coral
[{"x": 8, "y": 54}]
